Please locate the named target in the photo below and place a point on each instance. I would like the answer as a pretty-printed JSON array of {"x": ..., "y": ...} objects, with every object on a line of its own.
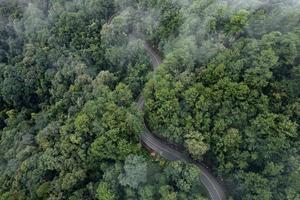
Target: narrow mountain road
[{"x": 149, "y": 140}]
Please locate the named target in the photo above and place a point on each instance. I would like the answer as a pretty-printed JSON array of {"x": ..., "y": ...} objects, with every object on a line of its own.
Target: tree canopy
[{"x": 71, "y": 72}]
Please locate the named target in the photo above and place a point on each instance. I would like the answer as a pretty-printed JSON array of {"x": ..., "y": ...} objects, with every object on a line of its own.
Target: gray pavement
[{"x": 215, "y": 190}]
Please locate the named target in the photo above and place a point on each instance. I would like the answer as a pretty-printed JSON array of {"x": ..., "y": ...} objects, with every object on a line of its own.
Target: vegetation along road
[
  {"x": 215, "y": 190},
  {"x": 149, "y": 99}
]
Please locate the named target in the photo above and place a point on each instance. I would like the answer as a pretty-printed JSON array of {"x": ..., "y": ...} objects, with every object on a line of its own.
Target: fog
[{"x": 195, "y": 33}]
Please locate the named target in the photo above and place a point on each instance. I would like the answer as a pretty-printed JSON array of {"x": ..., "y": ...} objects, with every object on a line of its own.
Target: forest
[{"x": 227, "y": 92}]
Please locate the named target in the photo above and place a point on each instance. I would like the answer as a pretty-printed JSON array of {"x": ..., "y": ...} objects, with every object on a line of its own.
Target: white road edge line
[{"x": 154, "y": 56}]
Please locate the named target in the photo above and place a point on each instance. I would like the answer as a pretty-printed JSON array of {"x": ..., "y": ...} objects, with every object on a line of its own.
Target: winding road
[
  {"x": 215, "y": 190},
  {"x": 149, "y": 140}
]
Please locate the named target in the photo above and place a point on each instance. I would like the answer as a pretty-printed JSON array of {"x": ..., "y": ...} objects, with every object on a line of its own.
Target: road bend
[{"x": 215, "y": 190}]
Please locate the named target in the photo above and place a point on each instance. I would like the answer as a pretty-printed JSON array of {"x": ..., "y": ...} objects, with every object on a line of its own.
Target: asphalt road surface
[{"x": 215, "y": 190}]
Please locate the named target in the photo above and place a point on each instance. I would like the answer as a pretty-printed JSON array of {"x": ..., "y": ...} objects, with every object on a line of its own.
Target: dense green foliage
[
  {"x": 69, "y": 124},
  {"x": 228, "y": 91}
]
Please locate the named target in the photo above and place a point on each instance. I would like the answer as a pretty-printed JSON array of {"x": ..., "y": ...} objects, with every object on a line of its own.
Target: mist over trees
[
  {"x": 227, "y": 91},
  {"x": 69, "y": 122}
]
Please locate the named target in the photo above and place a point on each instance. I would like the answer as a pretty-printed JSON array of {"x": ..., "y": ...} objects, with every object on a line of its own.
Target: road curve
[{"x": 149, "y": 140}]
